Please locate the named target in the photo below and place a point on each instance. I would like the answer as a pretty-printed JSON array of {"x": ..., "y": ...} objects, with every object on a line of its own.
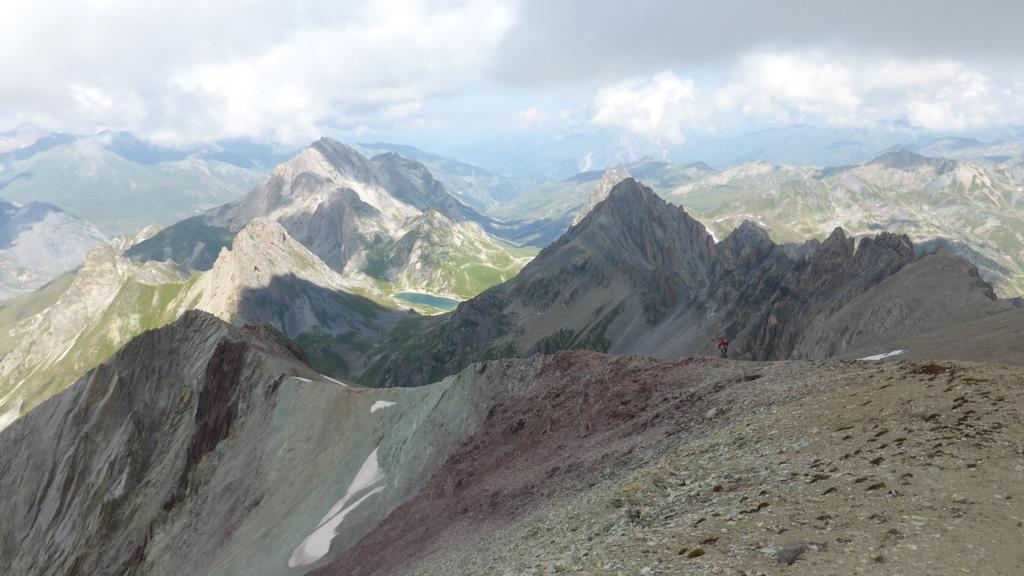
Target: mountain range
[
  {"x": 640, "y": 276},
  {"x": 973, "y": 209},
  {"x": 384, "y": 222},
  {"x": 89, "y": 178},
  {"x": 212, "y": 448},
  {"x": 270, "y": 385},
  {"x": 368, "y": 231}
]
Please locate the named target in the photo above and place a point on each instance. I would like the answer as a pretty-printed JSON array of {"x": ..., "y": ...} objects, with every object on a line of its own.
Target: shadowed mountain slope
[{"x": 638, "y": 275}]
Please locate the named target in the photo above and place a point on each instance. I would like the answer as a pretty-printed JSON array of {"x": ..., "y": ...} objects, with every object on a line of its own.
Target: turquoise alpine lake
[{"x": 439, "y": 302}]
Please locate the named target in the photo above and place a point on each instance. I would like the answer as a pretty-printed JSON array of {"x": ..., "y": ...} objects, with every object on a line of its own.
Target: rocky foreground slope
[
  {"x": 207, "y": 449},
  {"x": 822, "y": 468}
]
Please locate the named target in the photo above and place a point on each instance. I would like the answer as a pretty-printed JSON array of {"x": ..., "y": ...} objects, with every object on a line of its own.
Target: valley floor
[{"x": 721, "y": 467}]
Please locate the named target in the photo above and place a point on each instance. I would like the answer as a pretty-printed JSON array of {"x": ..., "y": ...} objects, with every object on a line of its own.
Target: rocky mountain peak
[
  {"x": 611, "y": 177},
  {"x": 838, "y": 242},
  {"x": 259, "y": 252},
  {"x": 345, "y": 159},
  {"x": 634, "y": 238},
  {"x": 638, "y": 216},
  {"x": 748, "y": 232},
  {"x": 886, "y": 241},
  {"x": 412, "y": 183}
]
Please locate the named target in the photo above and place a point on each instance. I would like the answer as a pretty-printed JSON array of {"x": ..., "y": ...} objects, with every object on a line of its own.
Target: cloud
[
  {"x": 188, "y": 70},
  {"x": 531, "y": 114},
  {"x": 778, "y": 88},
  {"x": 180, "y": 71},
  {"x": 659, "y": 109},
  {"x": 611, "y": 40}
]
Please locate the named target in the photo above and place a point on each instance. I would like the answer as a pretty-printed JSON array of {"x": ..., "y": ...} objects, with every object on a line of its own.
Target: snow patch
[
  {"x": 338, "y": 382},
  {"x": 380, "y": 405},
  {"x": 883, "y": 356},
  {"x": 317, "y": 544},
  {"x": 8, "y": 417}
]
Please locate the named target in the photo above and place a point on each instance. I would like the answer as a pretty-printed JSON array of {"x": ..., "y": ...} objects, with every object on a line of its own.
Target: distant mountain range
[
  {"x": 38, "y": 243},
  {"x": 974, "y": 209},
  {"x": 119, "y": 183}
]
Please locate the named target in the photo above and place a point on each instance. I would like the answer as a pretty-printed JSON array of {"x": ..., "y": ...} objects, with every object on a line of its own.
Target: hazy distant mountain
[
  {"x": 798, "y": 145},
  {"x": 475, "y": 186},
  {"x": 382, "y": 221},
  {"x": 972, "y": 209},
  {"x": 553, "y": 206},
  {"x": 38, "y": 243},
  {"x": 121, "y": 187},
  {"x": 21, "y": 138},
  {"x": 557, "y": 154},
  {"x": 972, "y": 149}
]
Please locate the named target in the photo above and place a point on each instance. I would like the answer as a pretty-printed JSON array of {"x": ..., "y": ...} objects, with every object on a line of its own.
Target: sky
[{"x": 453, "y": 72}]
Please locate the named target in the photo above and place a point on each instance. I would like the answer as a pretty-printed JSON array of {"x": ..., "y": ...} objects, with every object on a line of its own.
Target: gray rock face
[
  {"x": 638, "y": 275},
  {"x": 202, "y": 448},
  {"x": 331, "y": 198},
  {"x": 412, "y": 183}
]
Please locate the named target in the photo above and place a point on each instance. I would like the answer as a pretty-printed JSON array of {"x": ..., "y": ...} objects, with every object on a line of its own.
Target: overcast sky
[{"x": 190, "y": 70}]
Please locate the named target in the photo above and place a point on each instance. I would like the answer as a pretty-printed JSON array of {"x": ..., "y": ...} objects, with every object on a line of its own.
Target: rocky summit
[
  {"x": 638, "y": 275},
  {"x": 361, "y": 216}
]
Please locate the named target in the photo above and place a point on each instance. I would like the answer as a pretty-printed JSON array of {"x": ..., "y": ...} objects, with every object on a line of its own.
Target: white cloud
[
  {"x": 812, "y": 86},
  {"x": 188, "y": 70},
  {"x": 531, "y": 114},
  {"x": 659, "y": 109}
]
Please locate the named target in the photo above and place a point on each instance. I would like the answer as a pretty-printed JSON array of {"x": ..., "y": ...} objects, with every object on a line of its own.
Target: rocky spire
[{"x": 611, "y": 177}]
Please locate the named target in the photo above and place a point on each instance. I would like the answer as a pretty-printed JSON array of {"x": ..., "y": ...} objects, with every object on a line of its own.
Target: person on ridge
[{"x": 723, "y": 347}]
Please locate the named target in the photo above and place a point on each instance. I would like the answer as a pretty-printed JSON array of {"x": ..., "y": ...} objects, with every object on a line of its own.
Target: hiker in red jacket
[{"x": 723, "y": 347}]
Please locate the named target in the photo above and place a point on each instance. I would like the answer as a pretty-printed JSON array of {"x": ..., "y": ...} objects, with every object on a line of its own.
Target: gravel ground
[{"x": 825, "y": 468}]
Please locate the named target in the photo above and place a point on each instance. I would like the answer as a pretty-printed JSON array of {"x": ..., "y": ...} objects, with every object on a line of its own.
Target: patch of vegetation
[
  {"x": 931, "y": 369},
  {"x": 555, "y": 342},
  {"x": 327, "y": 352},
  {"x": 596, "y": 338}
]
